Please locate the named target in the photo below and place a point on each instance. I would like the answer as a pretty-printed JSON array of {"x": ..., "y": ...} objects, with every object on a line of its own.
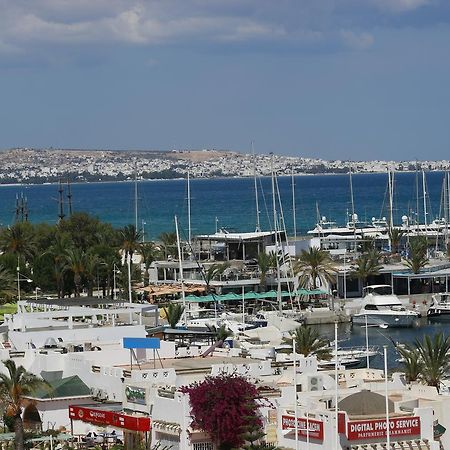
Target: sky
[{"x": 333, "y": 79}]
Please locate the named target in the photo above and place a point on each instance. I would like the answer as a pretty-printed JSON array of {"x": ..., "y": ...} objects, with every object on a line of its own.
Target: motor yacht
[
  {"x": 380, "y": 307},
  {"x": 440, "y": 307}
]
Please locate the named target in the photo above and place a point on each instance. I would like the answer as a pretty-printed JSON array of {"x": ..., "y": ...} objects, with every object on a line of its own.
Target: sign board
[
  {"x": 315, "y": 426},
  {"x": 113, "y": 418},
  {"x": 135, "y": 395},
  {"x": 133, "y": 343},
  {"x": 376, "y": 429}
]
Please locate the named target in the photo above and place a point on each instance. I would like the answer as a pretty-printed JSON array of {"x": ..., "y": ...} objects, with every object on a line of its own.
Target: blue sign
[{"x": 132, "y": 343}]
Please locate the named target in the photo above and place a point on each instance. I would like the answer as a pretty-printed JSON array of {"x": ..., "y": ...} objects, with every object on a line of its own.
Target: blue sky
[{"x": 337, "y": 79}]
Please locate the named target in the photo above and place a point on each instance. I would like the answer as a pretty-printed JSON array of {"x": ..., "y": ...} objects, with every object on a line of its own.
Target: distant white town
[{"x": 26, "y": 165}]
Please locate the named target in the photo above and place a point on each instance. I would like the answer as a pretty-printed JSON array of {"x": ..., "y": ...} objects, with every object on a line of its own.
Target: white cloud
[
  {"x": 357, "y": 41},
  {"x": 400, "y": 6}
]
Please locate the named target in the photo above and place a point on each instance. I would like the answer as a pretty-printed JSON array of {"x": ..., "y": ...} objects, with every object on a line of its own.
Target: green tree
[
  {"x": 395, "y": 237},
  {"x": 76, "y": 264},
  {"x": 367, "y": 265},
  {"x": 83, "y": 229},
  {"x": 8, "y": 287},
  {"x": 417, "y": 258},
  {"x": 19, "y": 241},
  {"x": 434, "y": 355},
  {"x": 58, "y": 253},
  {"x": 308, "y": 342},
  {"x": 412, "y": 364},
  {"x": 130, "y": 240},
  {"x": 169, "y": 243},
  {"x": 149, "y": 252},
  {"x": 13, "y": 387},
  {"x": 174, "y": 313},
  {"x": 266, "y": 262},
  {"x": 313, "y": 265}
]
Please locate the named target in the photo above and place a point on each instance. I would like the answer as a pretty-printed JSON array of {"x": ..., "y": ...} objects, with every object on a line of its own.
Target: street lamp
[
  {"x": 143, "y": 230},
  {"x": 19, "y": 279},
  {"x": 115, "y": 271}
]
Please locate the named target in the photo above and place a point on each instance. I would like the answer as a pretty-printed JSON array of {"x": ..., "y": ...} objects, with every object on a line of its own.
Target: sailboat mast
[
  {"x": 391, "y": 198},
  {"x": 69, "y": 196},
  {"x": 61, "y": 214},
  {"x": 275, "y": 226},
  {"x": 189, "y": 207},
  {"x": 135, "y": 198},
  {"x": 352, "y": 199},
  {"x": 424, "y": 188},
  {"x": 417, "y": 200},
  {"x": 180, "y": 266},
  {"x": 293, "y": 204},
  {"x": 258, "y": 224}
]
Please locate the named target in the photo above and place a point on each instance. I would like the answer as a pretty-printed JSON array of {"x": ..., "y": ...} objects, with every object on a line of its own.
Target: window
[
  {"x": 203, "y": 446},
  {"x": 168, "y": 440}
]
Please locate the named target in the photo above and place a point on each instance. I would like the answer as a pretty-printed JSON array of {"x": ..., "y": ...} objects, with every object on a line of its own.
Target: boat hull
[
  {"x": 438, "y": 314},
  {"x": 389, "y": 320}
]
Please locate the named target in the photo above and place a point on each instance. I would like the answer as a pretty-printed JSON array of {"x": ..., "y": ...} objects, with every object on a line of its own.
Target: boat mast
[
  {"x": 353, "y": 208},
  {"x": 417, "y": 201},
  {"x": 293, "y": 203},
  {"x": 189, "y": 208},
  {"x": 424, "y": 188},
  {"x": 447, "y": 218},
  {"x": 180, "y": 266},
  {"x": 391, "y": 198},
  {"x": 275, "y": 226},
  {"x": 135, "y": 198},
  {"x": 258, "y": 224},
  {"x": 69, "y": 196},
  {"x": 61, "y": 214}
]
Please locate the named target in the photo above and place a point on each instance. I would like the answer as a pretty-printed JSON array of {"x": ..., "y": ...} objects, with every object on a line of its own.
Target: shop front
[{"x": 135, "y": 428}]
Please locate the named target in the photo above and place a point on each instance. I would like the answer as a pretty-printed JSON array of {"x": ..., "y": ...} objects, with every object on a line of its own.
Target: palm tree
[
  {"x": 18, "y": 240},
  {"x": 395, "y": 237},
  {"x": 308, "y": 342},
  {"x": 169, "y": 242},
  {"x": 130, "y": 240},
  {"x": 266, "y": 261},
  {"x": 214, "y": 271},
  {"x": 367, "y": 265},
  {"x": 8, "y": 288},
  {"x": 57, "y": 251},
  {"x": 149, "y": 253},
  {"x": 76, "y": 263},
  {"x": 173, "y": 313},
  {"x": 92, "y": 262},
  {"x": 312, "y": 265},
  {"x": 13, "y": 388},
  {"x": 412, "y": 364},
  {"x": 222, "y": 333},
  {"x": 417, "y": 258},
  {"x": 435, "y": 358}
]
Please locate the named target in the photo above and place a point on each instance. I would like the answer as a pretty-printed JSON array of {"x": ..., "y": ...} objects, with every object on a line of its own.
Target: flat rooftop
[{"x": 191, "y": 363}]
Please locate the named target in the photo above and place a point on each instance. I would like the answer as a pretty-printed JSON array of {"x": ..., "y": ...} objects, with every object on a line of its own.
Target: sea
[{"x": 230, "y": 203}]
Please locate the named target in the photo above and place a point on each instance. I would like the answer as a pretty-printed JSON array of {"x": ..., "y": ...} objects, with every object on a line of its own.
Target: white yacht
[
  {"x": 380, "y": 307},
  {"x": 440, "y": 307}
]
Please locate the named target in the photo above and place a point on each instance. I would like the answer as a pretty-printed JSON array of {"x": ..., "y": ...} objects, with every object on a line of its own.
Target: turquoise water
[{"x": 231, "y": 200}]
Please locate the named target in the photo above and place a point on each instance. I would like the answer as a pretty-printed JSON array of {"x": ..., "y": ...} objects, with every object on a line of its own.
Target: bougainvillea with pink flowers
[{"x": 226, "y": 407}]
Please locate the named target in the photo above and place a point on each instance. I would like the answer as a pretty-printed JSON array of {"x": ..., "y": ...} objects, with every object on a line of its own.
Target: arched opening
[{"x": 31, "y": 418}]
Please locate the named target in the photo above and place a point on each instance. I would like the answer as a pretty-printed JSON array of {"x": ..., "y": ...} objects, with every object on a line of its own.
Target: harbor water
[{"x": 230, "y": 202}]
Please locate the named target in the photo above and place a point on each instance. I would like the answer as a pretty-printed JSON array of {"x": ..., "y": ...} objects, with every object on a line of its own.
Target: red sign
[
  {"x": 104, "y": 417},
  {"x": 315, "y": 426},
  {"x": 376, "y": 429}
]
